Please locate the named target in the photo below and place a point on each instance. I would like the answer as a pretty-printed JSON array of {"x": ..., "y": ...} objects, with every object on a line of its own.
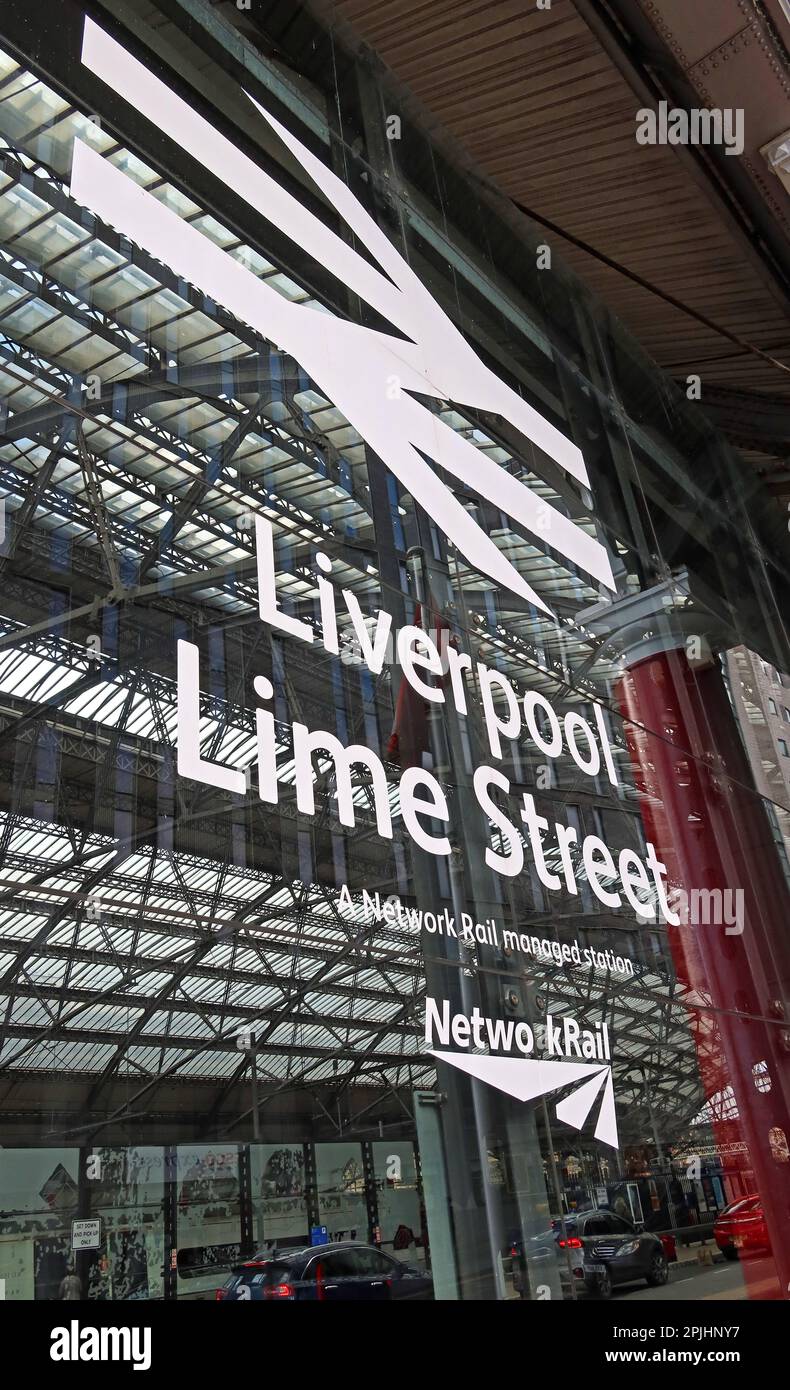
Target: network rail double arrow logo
[
  {"x": 376, "y": 379},
  {"x": 528, "y": 1080}
]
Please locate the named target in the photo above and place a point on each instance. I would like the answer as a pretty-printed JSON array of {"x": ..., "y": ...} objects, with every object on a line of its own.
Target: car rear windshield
[
  {"x": 256, "y": 1275},
  {"x": 746, "y": 1204}
]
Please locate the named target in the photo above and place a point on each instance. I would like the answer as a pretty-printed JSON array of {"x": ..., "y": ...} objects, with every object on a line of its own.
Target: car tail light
[
  {"x": 279, "y": 1291},
  {"x": 572, "y": 1243},
  {"x": 220, "y": 1294}
]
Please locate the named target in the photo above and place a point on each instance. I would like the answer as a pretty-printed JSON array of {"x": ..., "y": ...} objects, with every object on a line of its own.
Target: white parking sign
[{"x": 86, "y": 1235}]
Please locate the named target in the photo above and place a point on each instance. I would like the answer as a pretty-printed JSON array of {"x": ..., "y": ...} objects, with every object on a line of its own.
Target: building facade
[{"x": 385, "y": 843}]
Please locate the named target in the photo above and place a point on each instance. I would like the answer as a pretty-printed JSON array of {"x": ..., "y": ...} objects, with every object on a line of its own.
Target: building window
[
  {"x": 786, "y": 714},
  {"x": 772, "y": 706},
  {"x": 783, "y": 748}
]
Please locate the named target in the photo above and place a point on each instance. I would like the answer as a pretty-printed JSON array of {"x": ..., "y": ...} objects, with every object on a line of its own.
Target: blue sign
[{"x": 318, "y": 1235}]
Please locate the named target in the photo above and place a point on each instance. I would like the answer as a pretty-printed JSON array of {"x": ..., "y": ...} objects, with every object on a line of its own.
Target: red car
[{"x": 740, "y": 1228}]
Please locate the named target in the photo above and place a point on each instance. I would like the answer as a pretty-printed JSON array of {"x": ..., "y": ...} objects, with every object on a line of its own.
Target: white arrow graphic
[
  {"x": 526, "y": 1080},
  {"x": 375, "y": 378}
]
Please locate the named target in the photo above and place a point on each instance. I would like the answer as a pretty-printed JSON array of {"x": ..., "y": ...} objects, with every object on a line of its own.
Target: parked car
[
  {"x": 606, "y": 1249},
  {"x": 740, "y": 1228},
  {"x": 332, "y": 1273}
]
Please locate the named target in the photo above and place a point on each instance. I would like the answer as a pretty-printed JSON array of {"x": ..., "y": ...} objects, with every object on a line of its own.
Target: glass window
[
  {"x": 341, "y": 1191},
  {"x": 400, "y": 1212},
  {"x": 209, "y": 1214},
  {"x": 596, "y": 1226},
  {"x": 200, "y": 479},
  {"x": 39, "y": 1199},
  {"x": 373, "y": 1263},
  {"x": 279, "y": 1197},
  {"x": 340, "y": 1264},
  {"x": 272, "y": 1274},
  {"x": 748, "y": 1204},
  {"x": 127, "y": 1193},
  {"x": 620, "y": 1225}
]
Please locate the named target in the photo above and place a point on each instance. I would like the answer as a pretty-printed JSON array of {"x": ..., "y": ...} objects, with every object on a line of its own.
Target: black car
[
  {"x": 606, "y": 1249},
  {"x": 326, "y": 1274}
]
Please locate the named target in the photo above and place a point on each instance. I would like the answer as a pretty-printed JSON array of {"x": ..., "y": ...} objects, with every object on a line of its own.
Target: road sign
[
  {"x": 318, "y": 1235},
  {"x": 86, "y": 1235}
]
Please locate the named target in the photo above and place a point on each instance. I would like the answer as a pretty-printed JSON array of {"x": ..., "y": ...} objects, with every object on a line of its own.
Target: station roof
[{"x": 539, "y": 105}]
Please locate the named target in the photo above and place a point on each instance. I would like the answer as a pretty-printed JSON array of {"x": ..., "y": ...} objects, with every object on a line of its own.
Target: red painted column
[{"x": 710, "y": 829}]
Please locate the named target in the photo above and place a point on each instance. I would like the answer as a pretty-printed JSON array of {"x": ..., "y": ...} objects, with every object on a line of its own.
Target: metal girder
[
  {"x": 198, "y": 490},
  {"x": 179, "y": 1042},
  {"x": 138, "y": 963},
  {"x": 26, "y": 275},
  {"x": 120, "y": 995},
  {"x": 22, "y": 520},
  {"x": 100, "y": 519}
]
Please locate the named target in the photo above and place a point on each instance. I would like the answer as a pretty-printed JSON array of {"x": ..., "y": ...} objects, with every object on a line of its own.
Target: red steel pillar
[{"x": 708, "y": 824}]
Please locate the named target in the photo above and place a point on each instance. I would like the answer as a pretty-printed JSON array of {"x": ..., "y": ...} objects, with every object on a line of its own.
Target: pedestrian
[
  {"x": 71, "y": 1285},
  {"x": 403, "y": 1238}
]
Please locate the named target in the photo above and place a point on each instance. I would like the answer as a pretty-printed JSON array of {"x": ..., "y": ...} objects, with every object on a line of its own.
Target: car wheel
[
  {"x": 729, "y": 1252},
  {"x": 659, "y": 1270},
  {"x": 602, "y": 1286}
]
